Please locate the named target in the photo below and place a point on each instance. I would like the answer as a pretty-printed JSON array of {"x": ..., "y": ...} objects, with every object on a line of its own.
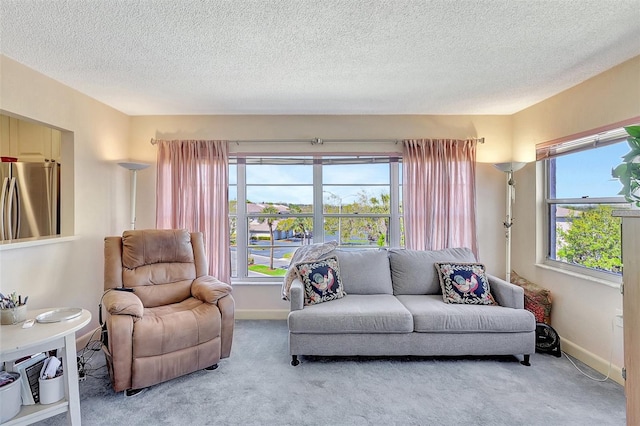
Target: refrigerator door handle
[
  {"x": 14, "y": 224},
  {"x": 3, "y": 209},
  {"x": 48, "y": 180}
]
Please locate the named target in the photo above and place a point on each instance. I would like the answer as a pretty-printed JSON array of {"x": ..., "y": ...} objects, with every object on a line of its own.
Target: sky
[
  {"x": 588, "y": 173},
  {"x": 345, "y": 181}
]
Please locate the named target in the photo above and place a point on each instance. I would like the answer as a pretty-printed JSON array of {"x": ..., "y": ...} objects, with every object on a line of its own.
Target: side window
[{"x": 581, "y": 195}]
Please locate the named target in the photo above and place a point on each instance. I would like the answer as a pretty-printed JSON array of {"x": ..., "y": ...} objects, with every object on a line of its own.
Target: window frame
[
  {"x": 318, "y": 215},
  {"x": 550, "y": 201}
]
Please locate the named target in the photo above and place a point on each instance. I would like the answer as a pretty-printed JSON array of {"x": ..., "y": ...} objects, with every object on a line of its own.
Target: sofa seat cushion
[
  {"x": 170, "y": 328},
  {"x": 432, "y": 315},
  {"x": 354, "y": 313}
]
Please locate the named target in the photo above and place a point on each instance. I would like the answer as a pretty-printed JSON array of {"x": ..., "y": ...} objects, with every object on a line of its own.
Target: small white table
[{"x": 17, "y": 342}]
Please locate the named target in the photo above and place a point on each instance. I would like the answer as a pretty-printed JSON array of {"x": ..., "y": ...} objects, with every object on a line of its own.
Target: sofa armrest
[
  {"x": 122, "y": 303},
  {"x": 506, "y": 294},
  {"x": 296, "y": 294}
]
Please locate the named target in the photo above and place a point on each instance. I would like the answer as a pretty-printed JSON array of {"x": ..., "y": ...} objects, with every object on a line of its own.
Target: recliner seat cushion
[
  {"x": 354, "y": 313},
  {"x": 170, "y": 328},
  {"x": 432, "y": 315},
  {"x": 413, "y": 271}
]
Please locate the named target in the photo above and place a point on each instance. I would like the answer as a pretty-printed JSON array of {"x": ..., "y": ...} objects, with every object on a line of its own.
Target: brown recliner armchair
[{"x": 169, "y": 318}]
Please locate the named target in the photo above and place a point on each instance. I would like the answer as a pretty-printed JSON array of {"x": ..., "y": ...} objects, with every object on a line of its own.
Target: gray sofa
[{"x": 394, "y": 306}]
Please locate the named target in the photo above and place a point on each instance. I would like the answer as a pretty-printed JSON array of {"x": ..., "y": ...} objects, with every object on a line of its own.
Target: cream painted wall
[
  {"x": 251, "y": 299},
  {"x": 96, "y": 191},
  {"x": 70, "y": 273},
  {"x": 583, "y": 310},
  {"x": 607, "y": 98}
]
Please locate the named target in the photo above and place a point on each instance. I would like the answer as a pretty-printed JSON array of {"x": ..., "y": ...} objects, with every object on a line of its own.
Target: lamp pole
[
  {"x": 133, "y": 167},
  {"x": 508, "y": 223},
  {"x": 509, "y": 168}
]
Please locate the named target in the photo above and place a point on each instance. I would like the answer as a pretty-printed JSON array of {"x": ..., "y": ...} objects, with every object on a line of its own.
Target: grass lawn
[{"x": 264, "y": 269}]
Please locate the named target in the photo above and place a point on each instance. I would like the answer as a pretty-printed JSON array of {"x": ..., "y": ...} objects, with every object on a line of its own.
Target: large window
[
  {"x": 583, "y": 236},
  {"x": 277, "y": 204}
]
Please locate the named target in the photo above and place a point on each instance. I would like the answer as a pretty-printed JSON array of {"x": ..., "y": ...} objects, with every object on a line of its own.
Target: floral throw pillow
[
  {"x": 464, "y": 283},
  {"x": 321, "y": 280}
]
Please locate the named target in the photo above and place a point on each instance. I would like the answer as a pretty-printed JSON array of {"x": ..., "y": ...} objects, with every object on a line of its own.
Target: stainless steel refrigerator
[{"x": 29, "y": 200}]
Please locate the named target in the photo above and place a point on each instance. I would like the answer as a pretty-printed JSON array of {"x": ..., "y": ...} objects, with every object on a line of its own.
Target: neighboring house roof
[
  {"x": 256, "y": 226},
  {"x": 563, "y": 212},
  {"x": 258, "y": 207}
]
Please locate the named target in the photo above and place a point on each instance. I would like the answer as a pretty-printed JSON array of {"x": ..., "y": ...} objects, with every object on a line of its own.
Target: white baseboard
[
  {"x": 592, "y": 360},
  {"x": 261, "y": 314}
]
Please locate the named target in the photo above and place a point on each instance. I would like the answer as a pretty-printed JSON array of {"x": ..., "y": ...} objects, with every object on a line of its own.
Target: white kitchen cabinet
[
  {"x": 8, "y": 139},
  {"x": 28, "y": 141}
]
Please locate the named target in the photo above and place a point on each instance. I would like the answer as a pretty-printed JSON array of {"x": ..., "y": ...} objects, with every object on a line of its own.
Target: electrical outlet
[{"x": 618, "y": 319}]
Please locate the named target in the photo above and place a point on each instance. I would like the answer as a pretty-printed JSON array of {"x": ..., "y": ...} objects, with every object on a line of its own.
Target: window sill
[
  {"x": 613, "y": 283},
  {"x": 33, "y": 242},
  {"x": 260, "y": 283}
]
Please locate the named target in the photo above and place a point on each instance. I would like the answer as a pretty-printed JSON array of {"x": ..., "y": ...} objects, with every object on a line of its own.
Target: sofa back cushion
[
  {"x": 413, "y": 271},
  {"x": 365, "y": 271}
]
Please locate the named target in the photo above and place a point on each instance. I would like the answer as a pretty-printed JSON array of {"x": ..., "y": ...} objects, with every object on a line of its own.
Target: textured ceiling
[{"x": 320, "y": 56}]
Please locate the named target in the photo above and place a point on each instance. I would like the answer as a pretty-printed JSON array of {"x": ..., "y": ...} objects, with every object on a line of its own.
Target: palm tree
[
  {"x": 296, "y": 224},
  {"x": 270, "y": 210}
]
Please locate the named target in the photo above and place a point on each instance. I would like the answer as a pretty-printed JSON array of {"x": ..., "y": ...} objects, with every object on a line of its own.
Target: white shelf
[
  {"x": 34, "y": 413},
  {"x": 16, "y": 342}
]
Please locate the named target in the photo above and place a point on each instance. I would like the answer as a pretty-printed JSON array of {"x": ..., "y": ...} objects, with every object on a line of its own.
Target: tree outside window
[{"x": 591, "y": 239}]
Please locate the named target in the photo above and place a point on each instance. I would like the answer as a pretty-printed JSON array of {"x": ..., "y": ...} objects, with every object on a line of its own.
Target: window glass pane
[
  {"x": 356, "y": 199},
  {"x": 233, "y": 174},
  {"x": 233, "y": 199},
  {"x": 233, "y": 243},
  {"x": 355, "y": 173},
  {"x": 280, "y": 195},
  {"x": 586, "y": 235},
  {"x": 588, "y": 173},
  {"x": 279, "y": 174},
  {"x": 361, "y": 231},
  {"x": 266, "y": 259}
]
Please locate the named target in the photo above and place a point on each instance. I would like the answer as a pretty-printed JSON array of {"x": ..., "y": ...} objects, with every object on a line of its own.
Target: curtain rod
[{"x": 318, "y": 141}]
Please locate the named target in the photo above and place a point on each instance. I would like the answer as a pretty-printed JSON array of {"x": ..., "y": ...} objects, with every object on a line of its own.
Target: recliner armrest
[
  {"x": 122, "y": 303},
  {"x": 296, "y": 294},
  {"x": 506, "y": 294},
  {"x": 209, "y": 289}
]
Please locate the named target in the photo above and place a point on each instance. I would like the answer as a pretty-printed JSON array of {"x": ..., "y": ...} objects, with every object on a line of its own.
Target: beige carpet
[{"x": 258, "y": 386}]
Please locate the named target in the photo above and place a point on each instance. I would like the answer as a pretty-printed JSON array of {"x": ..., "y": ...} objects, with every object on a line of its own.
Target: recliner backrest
[{"x": 159, "y": 264}]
